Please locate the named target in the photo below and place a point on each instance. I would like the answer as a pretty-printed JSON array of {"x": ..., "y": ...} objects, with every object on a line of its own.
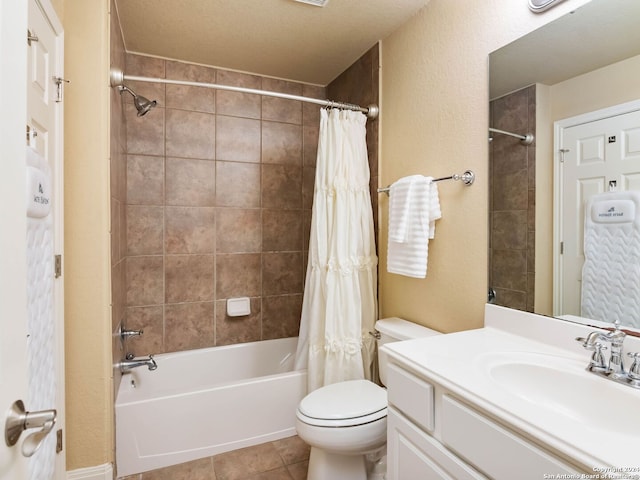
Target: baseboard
[{"x": 101, "y": 472}]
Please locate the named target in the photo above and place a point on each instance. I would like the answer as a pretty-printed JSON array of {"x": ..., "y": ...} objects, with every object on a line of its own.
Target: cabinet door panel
[
  {"x": 413, "y": 454},
  {"x": 493, "y": 449},
  {"x": 411, "y": 395}
]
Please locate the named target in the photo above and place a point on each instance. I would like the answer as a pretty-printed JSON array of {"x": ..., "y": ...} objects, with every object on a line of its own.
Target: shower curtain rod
[
  {"x": 118, "y": 78},
  {"x": 524, "y": 139}
]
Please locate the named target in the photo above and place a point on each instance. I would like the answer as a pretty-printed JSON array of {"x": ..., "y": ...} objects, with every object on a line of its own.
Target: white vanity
[{"x": 512, "y": 400}]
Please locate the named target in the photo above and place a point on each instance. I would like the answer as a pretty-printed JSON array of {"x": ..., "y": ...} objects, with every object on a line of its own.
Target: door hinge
[
  {"x": 57, "y": 265},
  {"x": 31, "y": 134},
  {"x": 59, "y": 441},
  {"x": 59, "y": 81},
  {"x": 561, "y": 248},
  {"x": 31, "y": 37},
  {"x": 562, "y": 152}
]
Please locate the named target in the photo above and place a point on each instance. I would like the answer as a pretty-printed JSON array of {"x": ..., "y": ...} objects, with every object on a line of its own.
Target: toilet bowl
[{"x": 344, "y": 422}]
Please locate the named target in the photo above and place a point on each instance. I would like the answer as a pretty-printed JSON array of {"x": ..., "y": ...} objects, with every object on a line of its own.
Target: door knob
[{"x": 18, "y": 420}]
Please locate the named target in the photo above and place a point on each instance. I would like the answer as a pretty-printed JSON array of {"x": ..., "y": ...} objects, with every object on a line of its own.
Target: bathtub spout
[{"x": 130, "y": 363}]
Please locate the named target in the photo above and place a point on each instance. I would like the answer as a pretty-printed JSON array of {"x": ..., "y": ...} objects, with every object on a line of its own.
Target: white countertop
[{"x": 460, "y": 362}]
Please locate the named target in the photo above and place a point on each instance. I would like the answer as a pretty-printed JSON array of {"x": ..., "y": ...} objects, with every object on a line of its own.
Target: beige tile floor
[{"x": 285, "y": 459}]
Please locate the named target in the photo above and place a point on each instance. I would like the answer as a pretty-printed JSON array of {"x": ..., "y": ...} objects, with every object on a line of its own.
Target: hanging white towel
[
  {"x": 414, "y": 207},
  {"x": 611, "y": 270}
]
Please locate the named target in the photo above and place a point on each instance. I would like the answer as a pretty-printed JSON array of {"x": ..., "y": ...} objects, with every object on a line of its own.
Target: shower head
[{"x": 142, "y": 104}]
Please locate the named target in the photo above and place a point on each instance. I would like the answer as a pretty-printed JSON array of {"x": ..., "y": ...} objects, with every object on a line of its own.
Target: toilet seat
[{"x": 344, "y": 404}]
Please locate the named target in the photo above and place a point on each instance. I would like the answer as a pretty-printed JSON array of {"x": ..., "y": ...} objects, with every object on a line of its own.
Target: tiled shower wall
[
  {"x": 214, "y": 201},
  {"x": 360, "y": 85},
  {"x": 512, "y": 201},
  {"x": 219, "y": 189}
]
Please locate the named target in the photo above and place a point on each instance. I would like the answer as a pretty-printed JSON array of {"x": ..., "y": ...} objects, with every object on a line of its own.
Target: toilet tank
[{"x": 395, "y": 329}]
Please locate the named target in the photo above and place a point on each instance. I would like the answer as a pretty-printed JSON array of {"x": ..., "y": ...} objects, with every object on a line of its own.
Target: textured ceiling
[{"x": 278, "y": 38}]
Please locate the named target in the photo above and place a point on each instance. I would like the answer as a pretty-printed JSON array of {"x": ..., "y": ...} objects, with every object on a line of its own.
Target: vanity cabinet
[{"x": 433, "y": 434}]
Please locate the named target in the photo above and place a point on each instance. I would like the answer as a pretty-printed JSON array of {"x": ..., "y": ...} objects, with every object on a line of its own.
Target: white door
[
  {"x": 595, "y": 156},
  {"x": 13, "y": 224},
  {"x": 16, "y": 301},
  {"x": 45, "y": 347}
]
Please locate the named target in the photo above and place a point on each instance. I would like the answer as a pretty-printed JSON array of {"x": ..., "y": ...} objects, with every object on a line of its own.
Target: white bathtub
[{"x": 204, "y": 402}]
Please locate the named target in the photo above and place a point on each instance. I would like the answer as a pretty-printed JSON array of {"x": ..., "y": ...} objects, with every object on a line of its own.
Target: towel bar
[{"x": 468, "y": 177}]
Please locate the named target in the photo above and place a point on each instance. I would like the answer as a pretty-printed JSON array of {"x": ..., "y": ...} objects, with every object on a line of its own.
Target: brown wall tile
[
  {"x": 190, "y": 134},
  {"x": 281, "y": 143},
  {"x": 189, "y": 278},
  {"x": 281, "y": 316},
  {"x": 238, "y": 230},
  {"x": 237, "y": 139},
  {"x": 310, "y": 145},
  {"x": 191, "y": 182},
  {"x": 145, "y": 284},
  {"x": 145, "y": 180},
  {"x": 238, "y": 275},
  {"x": 237, "y": 184},
  {"x": 189, "y": 326},
  {"x": 145, "y": 226},
  {"x": 281, "y": 186},
  {"x": 190, "y": 230},
  {"x": 281, "y": 230},
  {"x": 281, "y": 273}
]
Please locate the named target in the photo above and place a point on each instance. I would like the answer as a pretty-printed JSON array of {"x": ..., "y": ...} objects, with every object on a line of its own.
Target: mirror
[{"x": 598, "y": 34}]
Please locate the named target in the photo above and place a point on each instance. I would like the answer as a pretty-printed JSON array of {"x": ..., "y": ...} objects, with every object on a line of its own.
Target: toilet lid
[{"x": 353, "y": 402}]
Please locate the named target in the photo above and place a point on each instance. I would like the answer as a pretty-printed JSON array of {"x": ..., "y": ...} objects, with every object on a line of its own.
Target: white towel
[
  {"x": 611, "y": 270},
  {"x": 414, "y": 207}
]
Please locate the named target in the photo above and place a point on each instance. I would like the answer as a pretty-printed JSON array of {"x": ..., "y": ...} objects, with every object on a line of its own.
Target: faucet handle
[
  {"x": 597, "y": 359},
  {"x": 124, "y": 333},
  {"x": 634, "y": 370}
]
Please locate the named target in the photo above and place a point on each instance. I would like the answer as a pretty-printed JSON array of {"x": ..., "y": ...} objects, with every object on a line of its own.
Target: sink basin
[{"x": 562, "y": 386}]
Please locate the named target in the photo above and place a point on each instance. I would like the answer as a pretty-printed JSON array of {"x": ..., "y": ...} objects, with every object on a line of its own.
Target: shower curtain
[{"x": 339, "y": 303}]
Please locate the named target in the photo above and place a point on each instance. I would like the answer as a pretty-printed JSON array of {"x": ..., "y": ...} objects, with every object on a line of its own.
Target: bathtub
[{"x": 204, "y": 402}]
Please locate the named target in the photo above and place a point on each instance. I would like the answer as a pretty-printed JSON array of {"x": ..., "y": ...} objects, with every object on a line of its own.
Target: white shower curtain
[{"x": 339, "y": 306}]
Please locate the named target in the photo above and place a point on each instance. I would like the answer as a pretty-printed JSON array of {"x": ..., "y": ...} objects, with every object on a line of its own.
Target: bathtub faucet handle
[{"x": 124, "y": 333}]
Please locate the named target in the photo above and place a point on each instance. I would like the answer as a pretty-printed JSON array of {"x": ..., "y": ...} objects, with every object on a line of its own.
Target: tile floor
[{"x": 285, "y": 459}]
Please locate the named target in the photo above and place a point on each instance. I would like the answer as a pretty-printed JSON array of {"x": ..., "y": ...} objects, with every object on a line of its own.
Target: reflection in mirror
[{"x": 587, "y": 60}]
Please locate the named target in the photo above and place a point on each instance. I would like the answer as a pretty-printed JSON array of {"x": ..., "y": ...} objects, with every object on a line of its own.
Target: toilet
[{"x": 346, "y": 421}]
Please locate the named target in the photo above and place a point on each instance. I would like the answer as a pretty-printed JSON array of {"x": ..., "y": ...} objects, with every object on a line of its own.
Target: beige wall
[
  {"x": 434, "y": 120},
  {"x": 86, "y": 266},
  {"x": 605, "y": 87}
]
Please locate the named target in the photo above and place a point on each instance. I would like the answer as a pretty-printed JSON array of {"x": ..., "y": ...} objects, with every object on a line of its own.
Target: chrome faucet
[
  {"x": 130, "y": 362},
  {"x": 616, "y": 338},
  {"x": 614, "y": 369}
]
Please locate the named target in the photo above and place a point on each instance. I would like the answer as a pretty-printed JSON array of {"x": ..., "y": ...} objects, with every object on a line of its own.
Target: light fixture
[
  {"x": 316, "y": 3},
  {"x": 538, "y": 6}
]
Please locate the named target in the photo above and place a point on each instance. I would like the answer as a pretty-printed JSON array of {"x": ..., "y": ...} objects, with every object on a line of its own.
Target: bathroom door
[
  {"x": 13, "y": 300},
  {"x": 45, "y": 350},
  {"x": 23, "y": 124},
  {"x": 596, "y": 155}
]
